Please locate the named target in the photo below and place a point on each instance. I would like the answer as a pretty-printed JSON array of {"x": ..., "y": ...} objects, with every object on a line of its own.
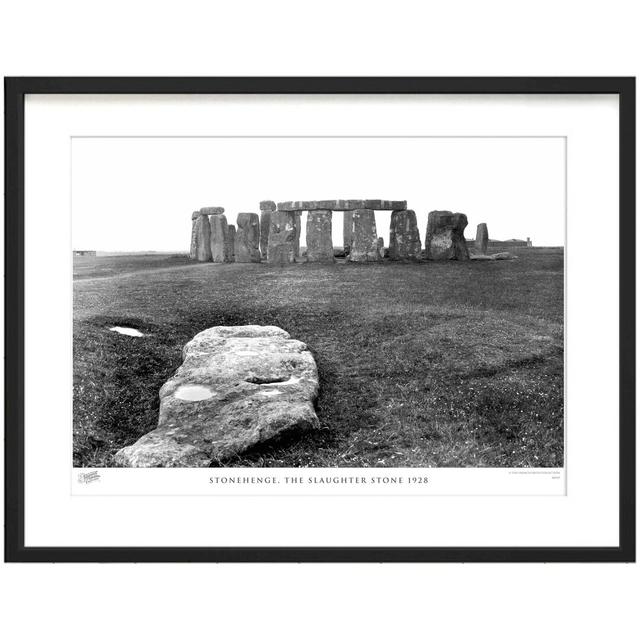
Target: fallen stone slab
[
  {"x": 237, "y": 387},
  {"x": 504, "y": 255}
]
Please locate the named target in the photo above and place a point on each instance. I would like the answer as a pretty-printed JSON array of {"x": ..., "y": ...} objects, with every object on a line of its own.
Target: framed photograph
[{"x": 320, "y": 319}]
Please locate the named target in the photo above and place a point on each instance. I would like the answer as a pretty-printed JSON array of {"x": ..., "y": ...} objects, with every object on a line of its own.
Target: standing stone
[
  {"x": 381, "y": 247},
  {"x": 247, "y": 244},
  {"x": 364, "y": 238},
  {"x": 266, "y": 207},
  {"x": 445, "y": 236},
  {"x": 219, "y": 238},
  {"x": 482, "y": 238},
  {"x": 231, "y": 242},
  {"x": 282, "y": 233},
  {"x": 347, "y": 230},
  {"x": 404, "y": 237},
  {"x": 297, "y": 221},
  {"x": 319, "y": 238},
  {"x": 193, "y": 249},
  {"x": 203, "y": 239}
]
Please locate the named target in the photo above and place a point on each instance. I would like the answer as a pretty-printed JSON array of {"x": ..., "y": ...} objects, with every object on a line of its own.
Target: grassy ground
[{"x": 431, "y": 364}]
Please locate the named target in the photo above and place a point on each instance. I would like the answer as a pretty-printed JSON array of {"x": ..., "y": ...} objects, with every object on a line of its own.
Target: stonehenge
[
  {"x": 266, "y": 207},
  {"x": 341, "y": 205},
  {"x": 193, "y": 251},
  {"x": 364, "y": 237},
  {"x": 202, "y": 236},
  {"x": 482, "y": 238},
  {"x": 282, "y": 234},
  {"x": 274, "y": 235},
  {"x": 219, "y": 238},
  {"x": 347, "y": 230},
  {"x": 319, "y": 238},
  {"x": 404, "y": 237},
  {"x": 445, "y": 236},
  {"x": 231, "y": 242},
  {"x": 247, "y": 241},
  {"x": 297, "y": 221}
]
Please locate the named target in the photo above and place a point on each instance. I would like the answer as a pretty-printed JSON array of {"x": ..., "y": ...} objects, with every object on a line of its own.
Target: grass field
[{"x": 430, "y": 364}]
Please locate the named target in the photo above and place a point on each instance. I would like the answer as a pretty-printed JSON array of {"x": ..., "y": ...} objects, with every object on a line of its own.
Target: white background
[
  {"x": 586, "y": 516},
  {"x": 456, "y": 38}
]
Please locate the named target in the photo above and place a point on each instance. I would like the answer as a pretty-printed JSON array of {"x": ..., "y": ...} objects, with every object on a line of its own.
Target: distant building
[{"x": 84, "y": 253}]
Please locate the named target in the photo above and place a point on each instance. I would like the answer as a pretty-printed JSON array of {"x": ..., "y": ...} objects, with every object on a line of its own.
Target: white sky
[{"x": 137, "y": 194}]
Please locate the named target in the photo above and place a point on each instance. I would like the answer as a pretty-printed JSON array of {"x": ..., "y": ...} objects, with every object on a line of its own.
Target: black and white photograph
[
  {"x": 366, "y": 316},
  {"x": 318, "y": 301}
]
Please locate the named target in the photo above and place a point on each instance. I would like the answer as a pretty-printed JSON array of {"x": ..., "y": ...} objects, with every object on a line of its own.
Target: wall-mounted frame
[{"x": 488, "y": 415}]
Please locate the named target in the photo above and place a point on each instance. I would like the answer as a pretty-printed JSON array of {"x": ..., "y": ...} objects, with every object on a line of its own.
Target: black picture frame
[{"x": 15, "y": 91}]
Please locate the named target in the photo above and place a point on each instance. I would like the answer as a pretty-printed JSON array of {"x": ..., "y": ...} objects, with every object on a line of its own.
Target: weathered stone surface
[
  {"x": 385, "y": 205},
  {"x": 445, "y": 236},
  {"x": 203, "y": 239},
  {"x": 404, "y": 237},
  {"x": 209, "y": 211},
  {"x": 347, "y": 205},
  {"x": 341, "y": 205},
  {"x": 219, "y": 238},
  {"x": 265, "y": 226},
  {"x": 297, "y": 222},
  {"x": 282, "y": 233},
  {"x": 296, "y": 205},
  {"x": 236, "y": 387},
  {"x": 193, "y": 247},
  {"x": 267, "y": 205},
  {"x": 195, "y": 215},
  {"x": 381, "y": 248},
  {"x": 364, "y": 239},
  {"x": 231, "y": 242},
  {"x": 319, "y": 239},
  {"x": 504, "y": 255},
  {"x": 482, "y": 238},
  {"x": 347, "y": 229},
  {"x": 247, "y": 243}
]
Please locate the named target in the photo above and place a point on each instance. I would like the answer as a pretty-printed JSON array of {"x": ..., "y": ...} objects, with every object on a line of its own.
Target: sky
[{"x": 137, "y": 194}]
